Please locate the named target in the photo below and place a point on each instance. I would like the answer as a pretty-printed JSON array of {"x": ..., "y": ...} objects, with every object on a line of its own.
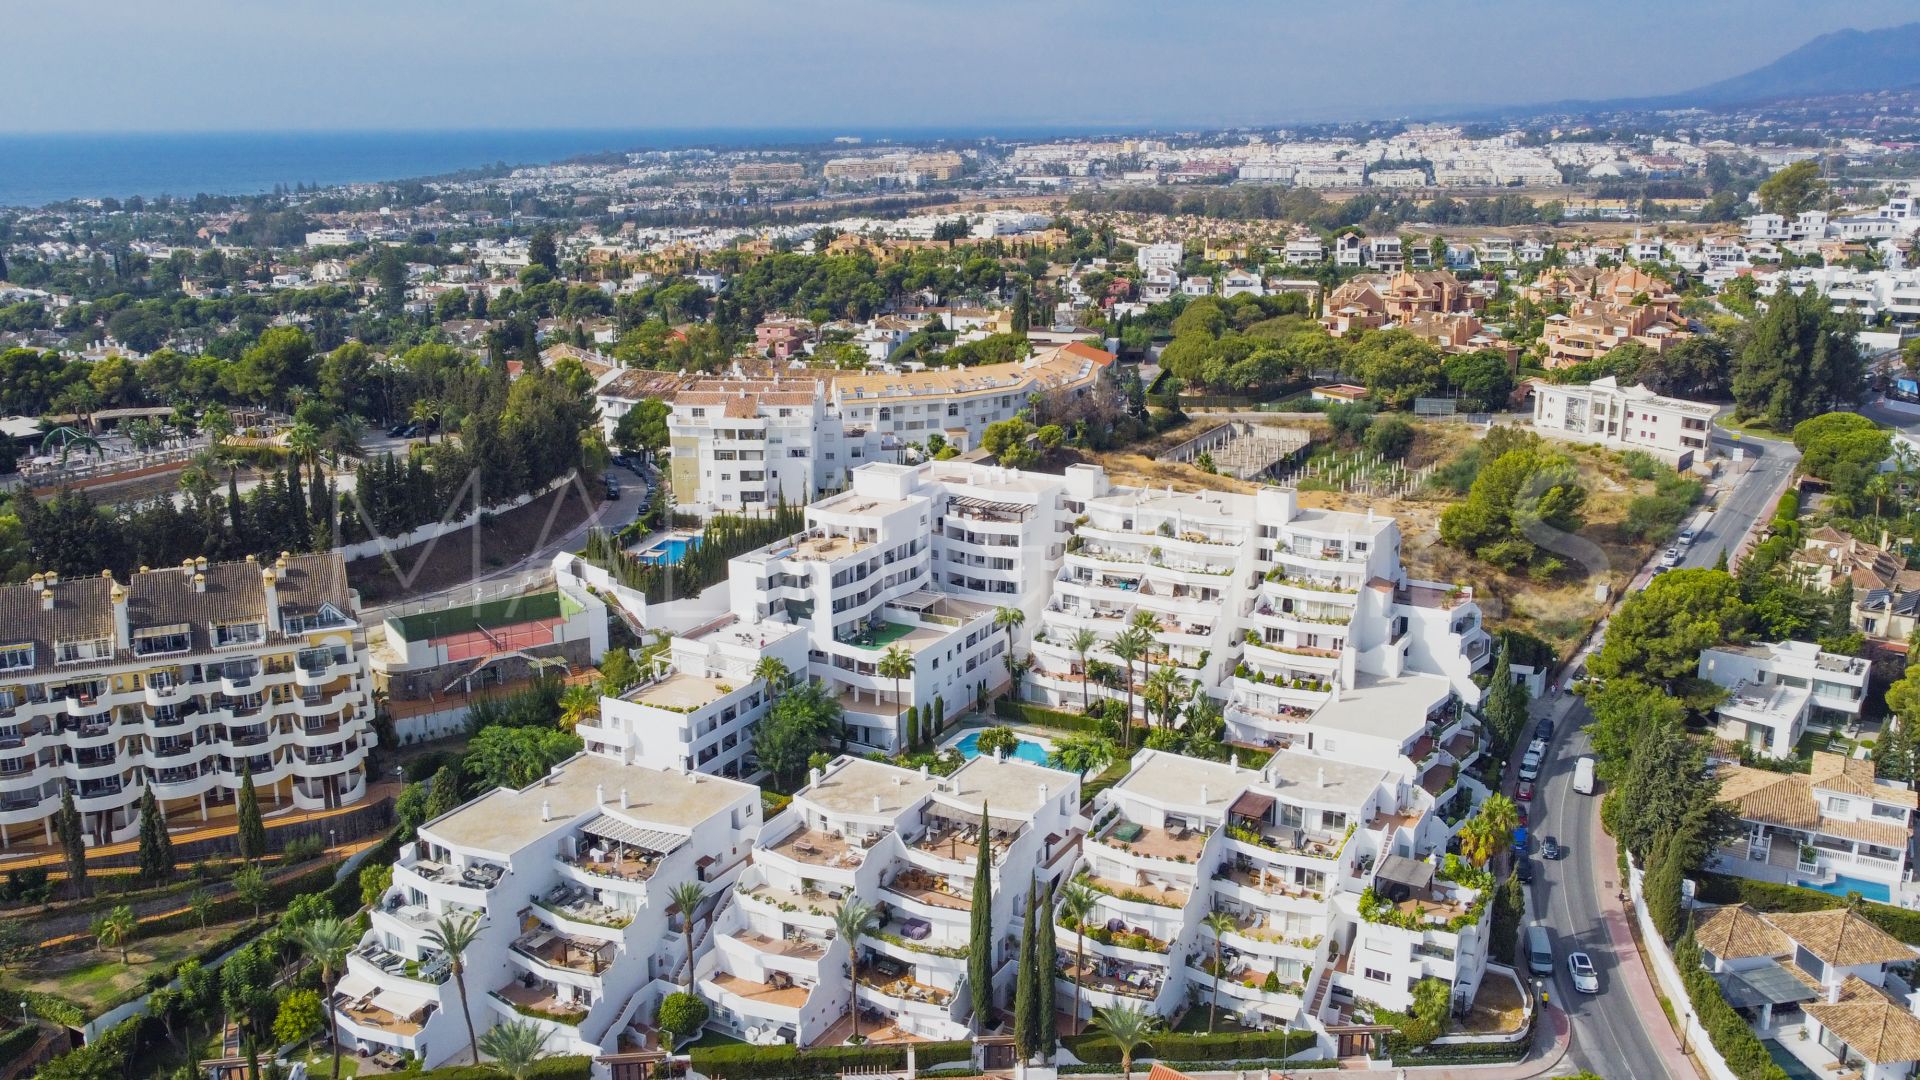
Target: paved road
[{"x": 1765, "y": 467}]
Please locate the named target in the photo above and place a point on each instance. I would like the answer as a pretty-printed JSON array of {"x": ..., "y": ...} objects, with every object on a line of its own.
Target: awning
[
  {"x": 1768, "y": 984},
  {"x": 988, "y": 506},
  {"x": 962, "y": 815},
  {"x": 353, "y": 986},
  {"x": 1252, "y": 804},
  {"x": 1409, "y": 872},
  {"x": 401, "y": 1006},
  {"x": 608, "y": 827}
]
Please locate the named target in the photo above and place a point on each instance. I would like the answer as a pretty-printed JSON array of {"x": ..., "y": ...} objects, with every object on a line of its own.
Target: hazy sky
[{"x": 138, "y": 65}]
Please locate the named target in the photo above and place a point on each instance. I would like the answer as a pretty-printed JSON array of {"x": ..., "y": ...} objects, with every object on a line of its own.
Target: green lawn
[
  {"x": 97, "y": 981},
  {"x": 320, "y": 1064},
  {"x": 887, "y": 634},
  {"x": 709, "y": 1039},
  {"x": 505, "y": 612}
]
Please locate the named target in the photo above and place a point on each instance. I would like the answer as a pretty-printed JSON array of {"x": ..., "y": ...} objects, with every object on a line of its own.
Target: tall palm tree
[
  {"x": 451, "y": 935},
  {"x": 303, "y": 442},
  {"x": 850, "y": 922},
  {"x": 514, "y": 1047},
  {"x": 1164, "y": 693},
  {"x": 115, "y": 930},
  {"x": 579, "y": 703},
  {"x": 325, "y": 941},
  {"x": 1129, "y": 1026},
  {"x": 773, "y": 672},
  {"x": 1130, "y": 645},
  {"x": 1078, "y": 903},
  {"x": 1478, "y": 841},
  {"x": 1082, "y": 643},
  {"x": 1010, "y": 619},
  {"x": 1500, "y": 814},
  {"x": 1219, "y": 922},
  {"x": 688, "y": 896},
  {"x": 896, "y": 664},
  {"x": 424, "y": 412}
]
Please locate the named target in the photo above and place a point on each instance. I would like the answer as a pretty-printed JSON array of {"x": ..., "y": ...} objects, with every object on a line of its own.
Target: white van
[
  {"x": 1583, "y": 776},
  {"x": 1539, "y": 951},
  {"x": 1530, "y": 767}
]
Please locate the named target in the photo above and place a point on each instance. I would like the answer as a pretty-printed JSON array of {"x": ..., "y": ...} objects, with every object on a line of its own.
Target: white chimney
[
  {"x": 813, "y": 776},
  {"x": 1320, "y": 776},
  {"x": 46, "y": 599},
  {"x": 599, "y": 794},
  {"x": 52, "y": 578},
  {"x": 923, "y": 772},
  {"x": 1043, "y": 794},
  {"x": 199, "y": 582},
  {"x": 876, "y": 804},
  {"x": 1833, "y": 987},
  {"x": 623, "y": 798},
  {"x": 122, "y": 629},
  {"x": 272, "y": 591},
  {"x": 1203, "y": 794},
  {"x": 546, "y": 810},
  {"x": 186, "y": 567}
]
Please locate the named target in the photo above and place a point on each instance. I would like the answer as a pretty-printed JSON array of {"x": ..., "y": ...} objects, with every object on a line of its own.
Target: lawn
[
  {"x": 320, "y": 1064},
  {"x": 97, "y": 981},
  {"x": 711, "y": 1038},
  {"x": 886, "y": 634}
]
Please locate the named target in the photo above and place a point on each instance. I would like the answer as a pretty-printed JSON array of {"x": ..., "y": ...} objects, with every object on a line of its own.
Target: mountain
[{"x": 1843, "y": 62}]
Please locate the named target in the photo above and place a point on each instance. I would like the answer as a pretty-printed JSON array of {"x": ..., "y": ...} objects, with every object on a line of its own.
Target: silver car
[{"x": 1585, "y": 978}]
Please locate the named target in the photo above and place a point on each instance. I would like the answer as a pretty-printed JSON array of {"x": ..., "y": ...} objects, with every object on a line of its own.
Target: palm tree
[
  {"x": 1478, "y": 841},
  {"x": 452, "y": 935},
  {"x": 1501, "y": 816},
  {"x": 1078, "y": 903},
  {"x": 1129, "y": 1026},
  {"x": 687, "y": 896},
  {"x": 1083, "y": 754},
  {"x": 303, "y": 442},
  {"x": 1010, "y": 619},
  {"x": 115, "y": 930},
  {"x": 578, "y": 704},
  {"x": 850, "y": 922},
  {"x": 1131, "y": 645},
  {"x": 1082, "y": 643},
  {"x": 1219, "y": 922},
  {"x": 1164, "y": 693},
  {"x": 325, "y": 941},
  {"x": 896, "y": 664},
  {"x": 774, "y": 672},
  {"x": 514, "y": 1047},
  {"x": 424, "y": 412}
]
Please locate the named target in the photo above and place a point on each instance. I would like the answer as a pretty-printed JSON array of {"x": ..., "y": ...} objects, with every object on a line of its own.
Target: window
[
  {"x": 16, "y": 657},
  {"x": 1376, "y": 975},
  {"x": 1332, "y": 821},
  {"x": 1838, "y": 805},
  {"x": 1897, "y": 813}
]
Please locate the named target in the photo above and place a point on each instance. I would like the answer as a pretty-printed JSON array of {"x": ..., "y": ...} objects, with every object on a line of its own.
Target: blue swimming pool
[
  {"x": 1032, "y": 752},
  {"x": 1792, "y": 1066},
  {"x": 1841, "y": 885},
  {"x": 671, "y": 550}
]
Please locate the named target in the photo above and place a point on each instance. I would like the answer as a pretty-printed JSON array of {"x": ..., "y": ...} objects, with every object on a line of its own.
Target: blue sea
[{"x": 39, "y": 169}]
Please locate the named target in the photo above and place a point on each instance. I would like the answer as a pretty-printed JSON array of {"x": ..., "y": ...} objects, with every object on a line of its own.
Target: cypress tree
[
  {"x": 73, "y": 843},
  {"x": 156, "y": 847},
  {"x": 252, "y": 831},
  {"x": 1026, "y": 1033},
  {"x": 236, "y": 514},
  {"x": 1662, "y": 888},
  {"x": 980, "y": 935},
  {"x": 1043, "y": 963}
]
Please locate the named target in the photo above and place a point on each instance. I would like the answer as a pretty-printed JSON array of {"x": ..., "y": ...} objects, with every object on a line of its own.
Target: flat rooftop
[
  {"x": 1222, "y": 506},
  {"x": 991, "y": 476},
  {"x": 1384, "y": 708},
  {"x": 1774, "y": 701},
  {"x": 1338, "y": 522},
  {"x": 504, "y": 821},
  {"x": 851, "y": 786},
  {"x": 1181, "y": 782},
  {"x": 679, "y": 692},
  {"x": 858, "y": 503},
  {"x": 1303, "y": 778},
  {"x": 1008, "y": 788}
]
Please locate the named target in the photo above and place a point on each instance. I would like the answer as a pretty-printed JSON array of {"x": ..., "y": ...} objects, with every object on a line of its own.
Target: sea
[{"x": 40, "y": 169}]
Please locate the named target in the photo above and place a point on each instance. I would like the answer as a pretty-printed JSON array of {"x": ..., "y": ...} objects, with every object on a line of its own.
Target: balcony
[
  {"x": 1181, "y": 846},
  {"x": 578, "y": 905},
  {"x": 435, "y": 968},
  {"x": 541, "y": 1000},
  {"x": 556, "y": 950},
  {"x": 922, "y": 890},
  {"x": 1108, "y": 975}
]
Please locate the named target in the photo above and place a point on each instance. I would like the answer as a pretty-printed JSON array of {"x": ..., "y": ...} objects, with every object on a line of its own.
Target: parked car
[
  {"x": 1522, "y": 808},
  {"x": 613, "y": 488},
  {"x": 1520, "y": 843},
  {"x": 397, "y": 431},
  {"x": 1525, "y": 791},
  {"x": 1524, "y": 871},
  {"x": 1585, "y": 978},
  {"x": 1543, "y": 731},
  {"x": 1551, "y": 849},
  {"x": 1670, "y": 558}
]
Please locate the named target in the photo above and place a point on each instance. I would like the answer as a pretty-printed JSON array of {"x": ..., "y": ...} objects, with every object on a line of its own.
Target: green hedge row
[
  {"x": 1096, "y": 1048},
  {"x": 1730, "y": 1034},
  {"x": 1020, "y": 712},
  {"x": 1768, "y": 896},
  {"x": 576, "y": 1067},
  {"x": 743, "y": 1062}
]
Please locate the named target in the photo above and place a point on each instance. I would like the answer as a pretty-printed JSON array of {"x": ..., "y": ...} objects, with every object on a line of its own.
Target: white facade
[
  {"x": 1624, "y": 418},
  {"x": 1775, "y": 690},
  {"x": 569, "y": 878}
]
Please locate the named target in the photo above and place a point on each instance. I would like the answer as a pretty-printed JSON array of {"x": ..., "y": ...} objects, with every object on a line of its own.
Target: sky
[{"x": 255, "y": 65}]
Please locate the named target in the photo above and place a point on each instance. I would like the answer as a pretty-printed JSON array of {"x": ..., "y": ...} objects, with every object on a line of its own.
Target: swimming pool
[
  {"x": 670, "y": 551},
  {"x": 1841, "y": 885},
  {"x": 1031, "y": 752},
  {"x": 1792, "y": 1066}
]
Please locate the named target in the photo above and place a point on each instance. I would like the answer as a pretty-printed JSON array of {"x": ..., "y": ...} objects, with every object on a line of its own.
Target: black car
[
  {"x": 613, "y": 489},
  {"x": 1551, "y": 849},
  {"x": 1524, "y": 871},
  {"x": 397, "y": 431},
  {"x": 1543, "y": 730}
]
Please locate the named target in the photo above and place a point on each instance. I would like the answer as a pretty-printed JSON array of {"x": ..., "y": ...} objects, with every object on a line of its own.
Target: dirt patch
[
  {"x": 1498, "y": 1008},
  {"x": 458, "y": 557}
]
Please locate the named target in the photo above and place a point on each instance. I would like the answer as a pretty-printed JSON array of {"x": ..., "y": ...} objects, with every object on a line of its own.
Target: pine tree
[
  {"x": 980, "y": 932},
  {"x": 156, "y": 847},
  {"x": 1043, "y": 962},
  {"x": 73, "y": 842},
  {"x": 1662, "y": 888},
  {"x": 1026, "y": 1032},
  {"x": 252, "y": 831}
]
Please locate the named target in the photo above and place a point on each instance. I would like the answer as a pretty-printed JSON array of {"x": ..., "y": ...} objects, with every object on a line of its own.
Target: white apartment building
[
  {"x": 1624, "y": 418},
  {"x": 569, "y": 878},
  {"x": 908, "y": 843},
  {"x": 1305, "y": 855},
  {"x": 1151, "y": 257},
  {"x": 1775, "y": 691},
  {"x": 178, "y": 682}
]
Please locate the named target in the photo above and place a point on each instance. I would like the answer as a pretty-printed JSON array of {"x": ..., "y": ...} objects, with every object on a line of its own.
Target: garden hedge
[
  {"x": 745, "y": 1062},
  {"x": 573, "y": 1067},
  {"x": 1096, "y": 1048},
  {"x": 1729, "y": 1033}
]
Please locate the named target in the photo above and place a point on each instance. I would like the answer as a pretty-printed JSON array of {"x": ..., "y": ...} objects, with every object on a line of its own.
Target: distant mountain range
[{"x": 1842, "y": 62}]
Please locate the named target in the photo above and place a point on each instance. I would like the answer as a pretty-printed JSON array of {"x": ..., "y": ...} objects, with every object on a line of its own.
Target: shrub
[
  {"x": 1096, "y": 1048},
  {"x": 1730, "y": 1034},
  {"x": 572, "y": 1067},
  {"x": 744, "y": 1062},
  {"x": 1767, "y": 896},
  {"x": 682, "y": 1013}
]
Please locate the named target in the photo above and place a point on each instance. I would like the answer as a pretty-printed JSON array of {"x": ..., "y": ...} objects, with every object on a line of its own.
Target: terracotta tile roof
[
  {"x": 1871, "y": 1023},
  {"x": 1854, "y": 776},
  {"x": 1737, "y": 932},
  {"x": 1788, "y": 800},
  {"x": 1841, "y": 936}
]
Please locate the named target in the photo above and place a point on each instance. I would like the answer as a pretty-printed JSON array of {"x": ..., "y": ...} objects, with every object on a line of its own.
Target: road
[{"x": 1765, "y": 467}]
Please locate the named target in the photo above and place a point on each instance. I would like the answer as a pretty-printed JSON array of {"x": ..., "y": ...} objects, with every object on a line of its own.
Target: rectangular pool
[
  {"x": 670, "y": 551},
  {"x": 1792, "y": 1066},
  {"x": 1841, "y": 885}
]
